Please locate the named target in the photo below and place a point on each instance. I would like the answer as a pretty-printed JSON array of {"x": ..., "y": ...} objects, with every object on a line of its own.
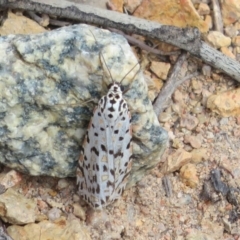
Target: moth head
[
  {"x": 115, "y": 87},
  {"x": 115, "y": 90}
]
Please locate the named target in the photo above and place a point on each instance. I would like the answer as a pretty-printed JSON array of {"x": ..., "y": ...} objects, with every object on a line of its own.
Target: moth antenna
[
  {"x": 103, "y": 59},
  {"x": 132, "y": 77},
  {"x": 130, "y": 71}
]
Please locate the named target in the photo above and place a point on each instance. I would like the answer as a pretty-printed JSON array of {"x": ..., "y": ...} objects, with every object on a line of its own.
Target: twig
[
  {"x": 43, "y": 21},
  {"x": 142, "y": 45},
  {"x": 188, "y": 39},
  {"x": 3, "y": 16},
  {"x": 167, "y": 186},
  {"x": 217, "y": 16},
  {"x": 58, "y": 23},
  {"x": 170, "y": 86}
]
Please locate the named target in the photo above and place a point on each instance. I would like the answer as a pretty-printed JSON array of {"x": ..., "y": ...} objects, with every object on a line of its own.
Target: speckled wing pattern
[{"x": 105, "y": 161}]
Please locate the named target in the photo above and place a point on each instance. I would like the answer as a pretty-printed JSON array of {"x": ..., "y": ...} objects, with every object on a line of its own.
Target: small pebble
[
  {"x": 164, "y": 117},
  {"x": 203, "y": 9},
  {"x": 230, "y": 31},
  {"x": 79, "y": 212},
  {"x": 62, "y": 183},
  {"x": 54, "y": 214},
  {"x": 188, "y": 121},
  {"x": 206, "y": 70}
]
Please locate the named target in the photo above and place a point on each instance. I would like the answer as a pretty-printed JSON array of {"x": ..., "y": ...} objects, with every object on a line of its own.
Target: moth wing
[
  {"x": 122, "y": 153},
  {"x": 87, "y": 178},
  {"x": 105, "y": 162},
  {"x": 96, "y": 183}
]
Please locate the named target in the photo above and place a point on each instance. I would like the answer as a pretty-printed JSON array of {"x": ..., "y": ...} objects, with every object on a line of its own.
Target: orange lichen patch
[
  {"x": 230, "y": 11},
  {"x": 180, "y": 13},
  {"x": 226, "y": 104},
  {"x": 115, "y": 5}
]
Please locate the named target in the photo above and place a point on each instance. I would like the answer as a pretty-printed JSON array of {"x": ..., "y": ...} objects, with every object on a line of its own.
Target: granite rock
[
  {"x": 49, "y": 86},
  {"x": 16, "y": 208},
  {"x": 225, "y": 103},
  {"x": 62, "y": 228}
]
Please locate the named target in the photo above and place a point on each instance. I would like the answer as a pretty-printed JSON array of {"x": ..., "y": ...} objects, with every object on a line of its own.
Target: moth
[{"x": 106, "y": 158}]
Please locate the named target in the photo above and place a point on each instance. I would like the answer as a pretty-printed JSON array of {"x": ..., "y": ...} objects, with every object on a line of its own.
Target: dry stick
[
  {"x": 43, "y": 21},
  {"x": 217, "y": 16},
  {"x": 171, "y": 84},
  {"x": 59, "y": 23},
  {"x": 3, "y": 16},
  {"x": 142, "y": 45},
  {"x": 184, "y": 38},
  {"x": 167, "y": 186}
]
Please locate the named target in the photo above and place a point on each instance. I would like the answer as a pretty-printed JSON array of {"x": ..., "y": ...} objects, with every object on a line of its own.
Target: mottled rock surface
[
  {"x": 217, "y": 39},
  {"x": 180, "y": 14},
  {"x": 17, "y": 209},
  {"x": 230, "y": 11},
  {"x": 17, "y": 24},
  {"x": 60, "y": 229},
  {"x": 226, "y": 103},
  {"x": 49, "y": 86}
]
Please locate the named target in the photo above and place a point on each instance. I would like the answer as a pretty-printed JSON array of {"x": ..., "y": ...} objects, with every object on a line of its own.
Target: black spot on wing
[
  {"x": 105, "y": 168},
  {"x": 93, "y": 149},
  {"x": 95, "y": 178},
  {"x": 98, "y": 189},
  {"x": 118, "y": 154},
  {"x": 120, "y": 138},
  {"x": 96, "y": 205},
  {"x": 112, "y": 172},
  {"x": 88, "y": 140},
  {"x": 109, "y": 183},
  {"x": 103, "y": 148},
  {"x": 113, "y": 101},
  {"x": 120, "y": 104},
  {"x": 97, "y": 167},
  {"x": 126, "y": 175},
  {"x": 111, "y": 109},
  {"x": 81, "y": 169},
  {"x": 120, "y": 191},
  {"x": 105, "y": 102}
]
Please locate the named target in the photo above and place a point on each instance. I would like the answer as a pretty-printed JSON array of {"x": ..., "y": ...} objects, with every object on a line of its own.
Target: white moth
[{"x": 105, "y": 161}]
